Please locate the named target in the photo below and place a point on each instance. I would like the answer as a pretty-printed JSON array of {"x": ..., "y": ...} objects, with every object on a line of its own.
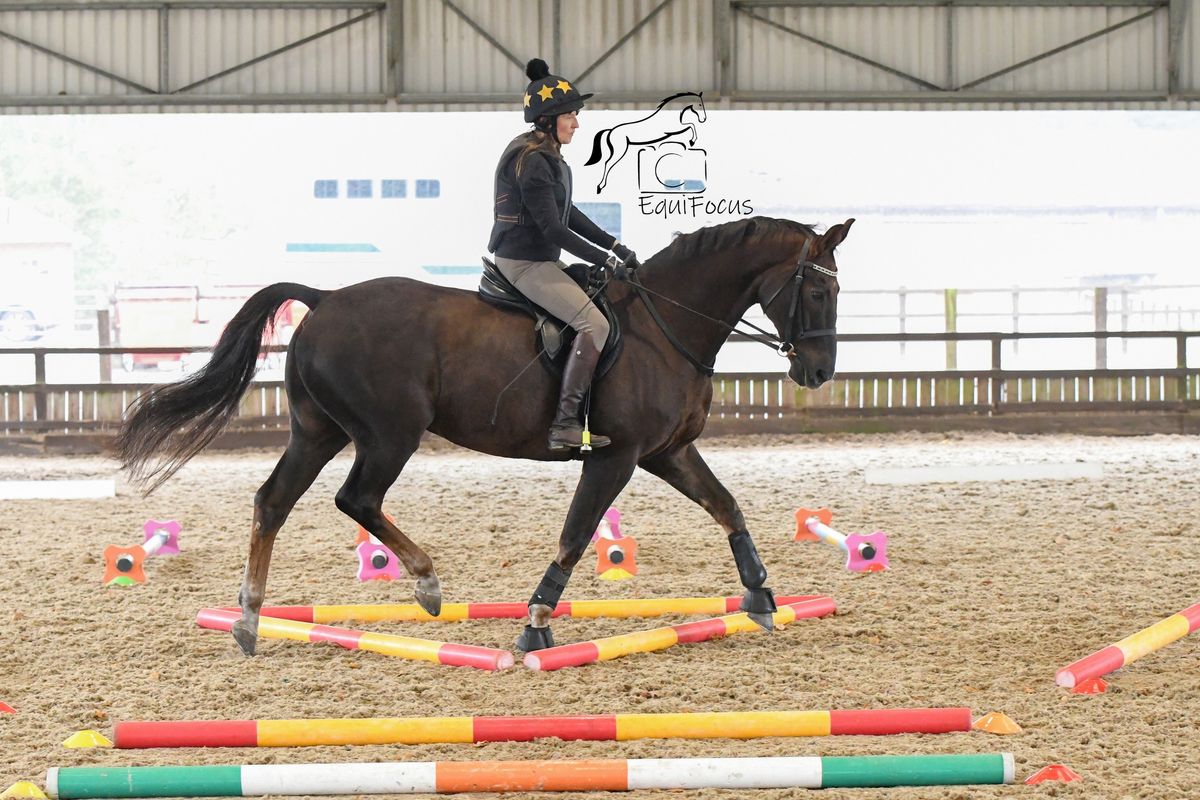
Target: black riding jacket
[{"x": 535, "y": 219}]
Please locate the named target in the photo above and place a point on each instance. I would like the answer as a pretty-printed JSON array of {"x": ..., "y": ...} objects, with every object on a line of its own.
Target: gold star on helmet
[
  {"x": 527, "y": 99},
  {"x": 546, "y": 92},
  {"x": 566, "y": 87}
]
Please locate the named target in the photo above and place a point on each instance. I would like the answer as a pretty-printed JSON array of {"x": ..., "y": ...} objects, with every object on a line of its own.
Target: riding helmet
[{"x": 549, "y": 95}]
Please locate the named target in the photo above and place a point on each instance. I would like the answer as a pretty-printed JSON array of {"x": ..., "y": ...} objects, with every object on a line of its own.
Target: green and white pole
[{"x": 806, "y": 772}]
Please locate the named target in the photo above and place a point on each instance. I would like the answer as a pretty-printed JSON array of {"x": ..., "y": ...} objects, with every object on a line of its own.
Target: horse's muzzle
[{"x": 809, "y": 378}]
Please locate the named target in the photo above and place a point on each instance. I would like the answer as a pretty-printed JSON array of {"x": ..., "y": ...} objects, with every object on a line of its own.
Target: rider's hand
[
  {"x": 622, "y": 251},
  {"x": 622, "y": 269},
  {"x": 627, "y": 264}
]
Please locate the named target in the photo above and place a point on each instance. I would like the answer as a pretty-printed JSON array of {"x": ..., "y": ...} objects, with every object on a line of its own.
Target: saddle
[{"x": 553, "y": 337}]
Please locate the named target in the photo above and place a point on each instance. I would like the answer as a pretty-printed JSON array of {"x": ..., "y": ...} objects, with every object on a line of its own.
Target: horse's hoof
[
  {"x": 535, "y": 639},
  {"x": 764, "y": 621},
  {"x": 758, "y": 601},
  {"x": 429, "y": 595},
  {"x": 245, "y": 637}
]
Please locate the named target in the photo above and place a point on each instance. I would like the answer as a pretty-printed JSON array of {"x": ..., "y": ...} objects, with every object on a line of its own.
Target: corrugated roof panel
[
  {"x": 206, "y": 42},
  {"x": 675, "y": 50}
]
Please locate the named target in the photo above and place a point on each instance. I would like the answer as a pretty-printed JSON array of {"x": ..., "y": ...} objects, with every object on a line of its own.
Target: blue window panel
[
  {"x": 331, "y": 247},
  {"x": 324, "y": 190},
  {"x": 450, "y": 269},
  {"x": 429, "y": 188},
  {"x": 358, "y": 188},
  {"x": 606, "y": 215},
  {"x": 393, "y": 188}
]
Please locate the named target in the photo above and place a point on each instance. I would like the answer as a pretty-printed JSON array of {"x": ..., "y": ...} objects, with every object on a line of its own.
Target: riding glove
[{"x": 625, "y": 263}]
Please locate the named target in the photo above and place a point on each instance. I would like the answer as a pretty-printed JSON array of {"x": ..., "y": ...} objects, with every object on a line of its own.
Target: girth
[{"x": 553, "y": 337}]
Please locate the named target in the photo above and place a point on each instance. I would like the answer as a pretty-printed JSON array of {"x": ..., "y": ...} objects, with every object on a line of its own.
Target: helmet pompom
[{"x": 536, "y": 69}]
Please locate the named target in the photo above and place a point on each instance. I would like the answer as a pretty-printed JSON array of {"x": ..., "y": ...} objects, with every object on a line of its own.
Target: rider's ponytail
[{"x": 539, "y": 139}]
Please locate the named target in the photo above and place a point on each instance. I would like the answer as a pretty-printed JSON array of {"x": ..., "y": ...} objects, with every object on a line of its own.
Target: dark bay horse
[{"x": 381, "y": 362}]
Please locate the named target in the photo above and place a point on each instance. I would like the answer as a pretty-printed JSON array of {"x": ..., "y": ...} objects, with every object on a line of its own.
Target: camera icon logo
[{"x": 672, "y": 168}]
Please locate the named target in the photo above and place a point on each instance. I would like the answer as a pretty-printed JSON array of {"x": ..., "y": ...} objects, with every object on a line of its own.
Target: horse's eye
[{"x": 818, "y": 295}]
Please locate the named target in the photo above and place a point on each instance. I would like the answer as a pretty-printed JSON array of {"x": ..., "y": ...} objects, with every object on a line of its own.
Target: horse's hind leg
[
  {"x": 686, "y": 471},
  {"x": 306, "y": 455},
  {"x": 611, "y": 161},
  {"x": 375, "y": 469}
]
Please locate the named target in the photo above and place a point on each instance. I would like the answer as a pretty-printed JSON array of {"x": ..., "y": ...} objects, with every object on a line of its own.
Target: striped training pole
[
  {"x": 459, "y": 655},
  {"x": 777, "y": 772},
  {"x": 599, "y": 727},
  {"x": 1131, "y": 648},
  {"x": 580, "y": 653},
  {"x": 865, "y": 552},
  {"x": 456, "y": 612}
]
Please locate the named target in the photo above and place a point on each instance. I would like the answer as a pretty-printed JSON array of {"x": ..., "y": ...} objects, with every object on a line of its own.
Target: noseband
[{"x": 795, "y": 329}]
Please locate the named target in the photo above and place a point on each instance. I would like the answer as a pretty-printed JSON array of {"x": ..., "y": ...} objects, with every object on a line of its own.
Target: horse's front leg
[
  {"x": 605, "y": 474},
  {"x": 686, "y": 471}
]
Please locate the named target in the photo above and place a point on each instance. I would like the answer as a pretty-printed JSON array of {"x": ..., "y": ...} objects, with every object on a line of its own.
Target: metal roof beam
[
  {"x": 1176, "y": 17},
  {"x": 950, "y": 3},
  {"x": 494, "y": 98},
  {"x": 395, "y": 46},
  {"x": 1063, "y": 96},
  {"x": 190, "y": 5}
]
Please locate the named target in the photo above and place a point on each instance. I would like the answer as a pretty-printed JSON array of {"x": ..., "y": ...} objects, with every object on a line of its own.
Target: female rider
[{"x": 535, "y": 221}]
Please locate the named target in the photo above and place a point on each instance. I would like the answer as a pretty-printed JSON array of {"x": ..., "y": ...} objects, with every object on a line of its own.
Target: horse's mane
[{"x": 716, "y": 238}]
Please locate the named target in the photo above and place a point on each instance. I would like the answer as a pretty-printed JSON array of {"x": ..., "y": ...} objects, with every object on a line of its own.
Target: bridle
[
  {"x": 783, "y": 347},
  {"x": 795, "y": 330}
]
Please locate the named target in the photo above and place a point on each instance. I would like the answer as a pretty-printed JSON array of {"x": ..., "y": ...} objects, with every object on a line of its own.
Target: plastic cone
[
  {"x": 85, "y": 739},
  {"x": 23, "y": 789},
  {"x": 1059, "y": 773},
  {"x": 5, "y": 708},
  {"x": 1090, "y": 686},
  {"x": 997, "y": 722}
]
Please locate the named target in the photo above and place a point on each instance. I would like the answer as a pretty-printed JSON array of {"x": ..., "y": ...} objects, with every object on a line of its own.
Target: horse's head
[
  {"x": 697, "y": 106},
  {"x": 804, "y": 307}
]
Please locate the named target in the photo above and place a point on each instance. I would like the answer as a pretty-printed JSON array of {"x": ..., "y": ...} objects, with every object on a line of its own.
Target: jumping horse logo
[{"x": 664, "y": 130}]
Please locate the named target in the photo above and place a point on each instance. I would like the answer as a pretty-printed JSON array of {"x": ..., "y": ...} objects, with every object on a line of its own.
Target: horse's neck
[{"x": 722, "y": 286}]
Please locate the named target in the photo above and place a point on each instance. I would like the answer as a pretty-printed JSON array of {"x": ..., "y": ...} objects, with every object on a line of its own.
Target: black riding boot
[{"x": 567, "y": 431}]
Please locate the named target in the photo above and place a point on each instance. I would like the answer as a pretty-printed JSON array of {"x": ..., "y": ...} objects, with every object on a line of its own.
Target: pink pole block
[
  {"x": 613, "y": 518},
  {"x": 171, "y": 546},
  {"x": 858, "y": 545},
  {"x": 377, "y": 563}
]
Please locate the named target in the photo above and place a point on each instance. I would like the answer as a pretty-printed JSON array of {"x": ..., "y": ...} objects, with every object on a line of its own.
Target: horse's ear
[{"x": 835, "y": 235}]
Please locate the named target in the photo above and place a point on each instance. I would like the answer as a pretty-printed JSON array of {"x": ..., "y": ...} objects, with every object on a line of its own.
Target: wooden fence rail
[{"x": 42, "y": 407}]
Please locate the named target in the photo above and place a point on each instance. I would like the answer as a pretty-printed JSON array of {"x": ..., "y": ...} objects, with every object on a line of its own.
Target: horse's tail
[
  {"x": 170, "y": 424},
  {"x": 595, "y": 156}
]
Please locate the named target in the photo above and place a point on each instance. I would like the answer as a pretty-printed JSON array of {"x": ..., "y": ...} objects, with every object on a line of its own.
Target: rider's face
[{"x": 567, "y": 123}]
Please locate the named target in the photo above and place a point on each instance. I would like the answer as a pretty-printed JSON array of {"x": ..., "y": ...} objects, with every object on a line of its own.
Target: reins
[{"x": 782, "y": 347}]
